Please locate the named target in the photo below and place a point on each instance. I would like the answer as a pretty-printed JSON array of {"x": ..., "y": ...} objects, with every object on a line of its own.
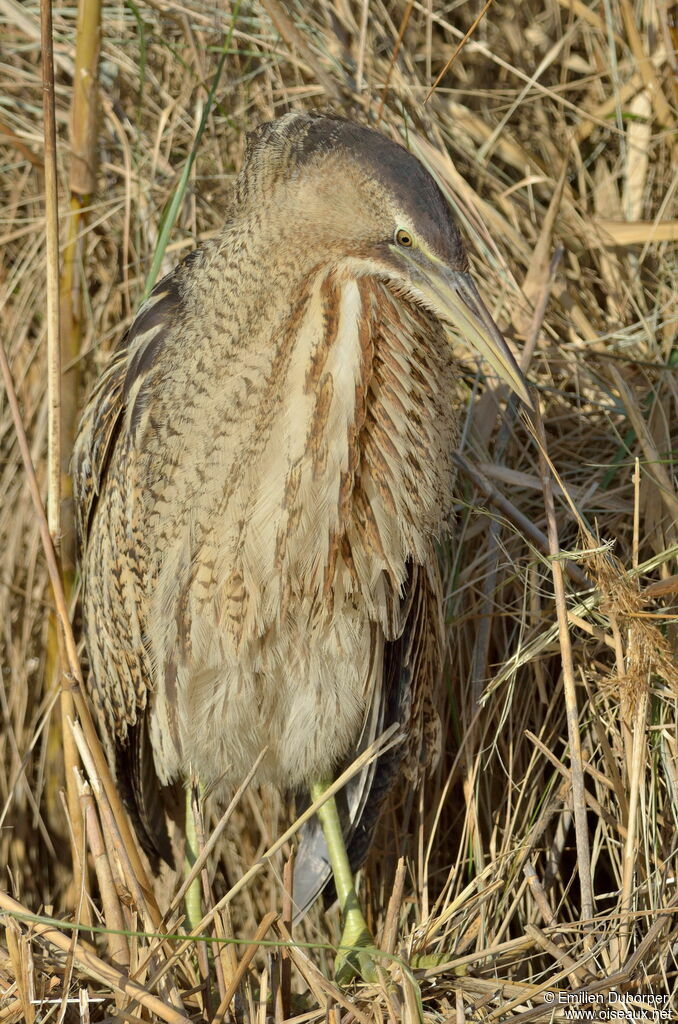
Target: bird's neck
[{"x": 355, "y": 475}]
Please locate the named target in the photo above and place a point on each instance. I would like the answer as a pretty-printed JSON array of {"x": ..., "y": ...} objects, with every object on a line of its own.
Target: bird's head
[{"x": 336, "y": 191}]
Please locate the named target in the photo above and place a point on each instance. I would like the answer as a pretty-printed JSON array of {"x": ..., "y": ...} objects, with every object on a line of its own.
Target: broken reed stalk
[
  {"x": 245, "y": 961},
  {"x": 325, "y": 992},
  {"x": 118, "y": 945},
  {"x": 92, "y": 965},
  {"x": 143, "y": 899}
]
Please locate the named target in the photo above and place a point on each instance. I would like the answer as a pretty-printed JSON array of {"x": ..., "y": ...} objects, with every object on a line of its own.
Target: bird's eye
[{"x": 404, "y": 238}]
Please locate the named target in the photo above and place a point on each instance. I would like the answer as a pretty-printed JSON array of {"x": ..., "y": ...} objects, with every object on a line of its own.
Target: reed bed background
[{"x": 538, "y": 863}]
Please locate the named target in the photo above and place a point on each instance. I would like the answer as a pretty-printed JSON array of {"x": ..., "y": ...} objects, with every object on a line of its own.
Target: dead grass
[{"x": 541, "y": 856}]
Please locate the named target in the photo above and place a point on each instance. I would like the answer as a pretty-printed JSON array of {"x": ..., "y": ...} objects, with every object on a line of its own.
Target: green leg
[
  {"x": 194, "y": 893},
  {"x": 357, "y": 955}
]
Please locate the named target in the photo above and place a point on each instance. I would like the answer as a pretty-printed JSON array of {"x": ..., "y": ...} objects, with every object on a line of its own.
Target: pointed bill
[{"x": 455, "y": 299}]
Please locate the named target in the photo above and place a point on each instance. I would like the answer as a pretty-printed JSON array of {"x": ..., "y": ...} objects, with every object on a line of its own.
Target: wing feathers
[{"x": 120, "y": 678}]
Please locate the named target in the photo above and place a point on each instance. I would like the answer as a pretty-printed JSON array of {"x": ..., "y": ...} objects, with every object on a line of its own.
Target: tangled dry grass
[{"x": 539, "y": 862}]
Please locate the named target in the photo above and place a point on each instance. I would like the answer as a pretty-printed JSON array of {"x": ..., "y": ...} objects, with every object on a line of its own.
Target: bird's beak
[{"x": 455, "y": 299}]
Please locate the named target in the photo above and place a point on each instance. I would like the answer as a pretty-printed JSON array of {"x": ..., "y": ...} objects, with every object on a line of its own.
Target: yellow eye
[{"x": 404, "y": 238}]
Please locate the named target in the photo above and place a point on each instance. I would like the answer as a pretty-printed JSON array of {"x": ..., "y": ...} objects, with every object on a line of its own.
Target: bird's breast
[{"x": 326, "y": 466}]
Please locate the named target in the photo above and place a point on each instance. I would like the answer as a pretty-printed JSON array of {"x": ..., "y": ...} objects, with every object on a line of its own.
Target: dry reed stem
[
  {"x": 142, "y": 899},
  {"x": 52, "y": 275},
  {"x": 92, "y": 965},
  {"x": 17, "y": 949},
  {"x": 325, "y": 991},
  {"x": 213, "y": 837},
  {"x": 54, "y": 436},
  {"x": 556, "y": 950},
  {"x": 638, "y": 759},
  {"x": 117, "y": 943},
  {"x": 245, "y": 961},
  {"x": 89, "y": 731},
  {"x": 82, "y": 185},
  {"x": 283, "y": 996},
  {"x": 572, "y": 711},
  {"x": 519, "y": 520},
  {"x": 394, "y": 56},
  {"x": 390, "y": 932}
]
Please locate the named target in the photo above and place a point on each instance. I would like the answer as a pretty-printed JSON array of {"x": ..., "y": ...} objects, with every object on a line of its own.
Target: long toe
[{"x": 357, "y": 957}]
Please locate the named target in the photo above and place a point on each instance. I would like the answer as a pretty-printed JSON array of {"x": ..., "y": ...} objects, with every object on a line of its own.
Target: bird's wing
[
  {"x": 412, "y": 667},
  {"x": 99, "y": 426},
  {"x": 120, "y": 677},
  {"x": 103, "y": 415}
]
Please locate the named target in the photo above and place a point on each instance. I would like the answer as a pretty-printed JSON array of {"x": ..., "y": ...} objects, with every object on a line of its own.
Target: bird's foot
[
  {"x": 359, "y": 963},
  {"x": 357, "y": 956}
]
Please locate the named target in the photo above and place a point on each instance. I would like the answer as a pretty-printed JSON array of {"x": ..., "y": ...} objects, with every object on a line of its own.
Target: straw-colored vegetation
[{"x": 539, "y": 859}]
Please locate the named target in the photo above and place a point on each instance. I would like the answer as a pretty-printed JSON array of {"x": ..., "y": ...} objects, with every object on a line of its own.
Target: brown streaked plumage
[{"x": 263, "y": 469}]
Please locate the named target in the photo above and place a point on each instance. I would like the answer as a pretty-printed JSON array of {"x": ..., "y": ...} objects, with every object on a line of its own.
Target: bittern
[{"x": 261, "y": 474}]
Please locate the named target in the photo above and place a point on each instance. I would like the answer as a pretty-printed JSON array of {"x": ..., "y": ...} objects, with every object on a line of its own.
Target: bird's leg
[
  {"x": 193, "y": 894},
  {"x": 356, "y": 955}
]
